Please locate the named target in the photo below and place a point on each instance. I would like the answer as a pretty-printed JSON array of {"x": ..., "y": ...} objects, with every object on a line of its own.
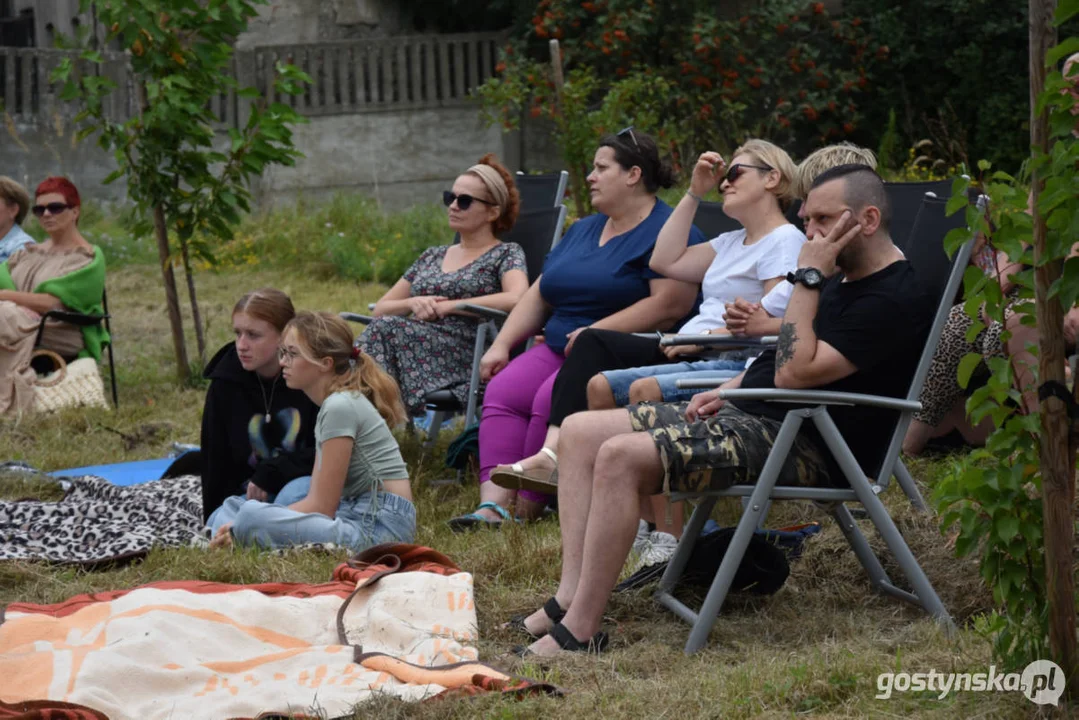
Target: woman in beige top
[{"x": 63, "y": 273}]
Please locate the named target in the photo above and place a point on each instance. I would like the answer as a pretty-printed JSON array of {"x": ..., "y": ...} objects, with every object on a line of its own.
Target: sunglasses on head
[
  {"x": 628, "y": 131},
  {"x": 735, "y": 171},
  {"x": 463, "y": 201},
  {"x": 53, "y": 208}
]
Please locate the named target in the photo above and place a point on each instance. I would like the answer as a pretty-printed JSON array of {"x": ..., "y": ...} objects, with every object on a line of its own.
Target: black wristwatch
[{"x": 812, "y": 278}]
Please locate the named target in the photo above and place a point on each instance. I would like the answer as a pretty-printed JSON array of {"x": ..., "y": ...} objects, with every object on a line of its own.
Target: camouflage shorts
[{"x": 726, "y": 449}]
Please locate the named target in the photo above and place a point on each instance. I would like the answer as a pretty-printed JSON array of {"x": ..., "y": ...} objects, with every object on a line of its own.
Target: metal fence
[{"x": 394, "y": 73}]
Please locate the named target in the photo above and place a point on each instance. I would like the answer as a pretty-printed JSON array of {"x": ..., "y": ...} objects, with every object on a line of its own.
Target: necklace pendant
[{"x": 267, "y": 417}]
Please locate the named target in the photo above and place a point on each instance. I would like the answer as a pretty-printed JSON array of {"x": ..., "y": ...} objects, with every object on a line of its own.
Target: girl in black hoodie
[{"x": 257, "y": 433}]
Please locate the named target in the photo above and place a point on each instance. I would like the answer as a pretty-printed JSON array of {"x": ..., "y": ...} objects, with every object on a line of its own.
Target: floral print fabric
[{"x": 427, "y": 356}]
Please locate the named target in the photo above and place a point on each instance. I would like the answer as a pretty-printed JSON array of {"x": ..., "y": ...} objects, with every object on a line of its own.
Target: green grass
[{"x": 816, "y": 647}]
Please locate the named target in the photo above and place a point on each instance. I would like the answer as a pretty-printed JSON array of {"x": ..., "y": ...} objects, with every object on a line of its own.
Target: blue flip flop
[{"x": 474, "y": 520}]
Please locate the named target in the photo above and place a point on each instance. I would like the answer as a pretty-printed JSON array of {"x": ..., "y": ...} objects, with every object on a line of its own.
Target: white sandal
[{"x": 515, "y": 477}]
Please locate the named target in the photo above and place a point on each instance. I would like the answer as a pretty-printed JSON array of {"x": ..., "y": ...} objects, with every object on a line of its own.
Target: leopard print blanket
[{"x": 97, "y": 522}]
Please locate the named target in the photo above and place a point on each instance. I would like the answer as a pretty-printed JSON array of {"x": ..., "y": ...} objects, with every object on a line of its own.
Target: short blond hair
[
  {"x": 775, "y": 157},
  {"x": 826, "y": 158},
  {"x": 14, "y": 193}
]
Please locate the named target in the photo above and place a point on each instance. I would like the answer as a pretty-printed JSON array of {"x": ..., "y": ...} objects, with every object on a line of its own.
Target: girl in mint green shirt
[{"x": 359, "y": 492}]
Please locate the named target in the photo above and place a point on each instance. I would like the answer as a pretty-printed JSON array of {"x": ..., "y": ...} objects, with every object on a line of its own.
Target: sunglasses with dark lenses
[
  {"x": 735, "y": 171},
  {"x": 53, "y": 208},
  {"x": 463, "y": 201}
]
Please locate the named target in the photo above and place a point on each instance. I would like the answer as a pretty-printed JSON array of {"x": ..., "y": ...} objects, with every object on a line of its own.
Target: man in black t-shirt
[{"x": 856, "y": 322}]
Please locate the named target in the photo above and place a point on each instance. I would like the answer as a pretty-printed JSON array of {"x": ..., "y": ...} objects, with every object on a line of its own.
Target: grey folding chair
[
  {"x": 924, "y": 249},
  {"x": 541, "y": 191},
  {"x": 862, "y": 489},
  {"x": 536, "y": 231}
]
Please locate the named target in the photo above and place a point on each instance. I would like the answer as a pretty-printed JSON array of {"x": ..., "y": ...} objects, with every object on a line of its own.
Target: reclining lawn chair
[
  {"x": 536, "y": 231},
  {"x": 84, "y": 320},
  {"x": 924, "y": 248},
  {"x": 862, "y": 489},
  {"x": 541, "y": 191},
  {"x": 905, "y": 199}
]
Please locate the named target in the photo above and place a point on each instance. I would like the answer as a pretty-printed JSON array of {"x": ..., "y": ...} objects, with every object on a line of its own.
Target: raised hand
[{"x": 707, "y": 173}]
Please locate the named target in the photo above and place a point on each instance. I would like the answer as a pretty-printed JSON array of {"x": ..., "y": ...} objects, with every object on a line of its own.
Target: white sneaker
[{"x": 659, "y": 549}]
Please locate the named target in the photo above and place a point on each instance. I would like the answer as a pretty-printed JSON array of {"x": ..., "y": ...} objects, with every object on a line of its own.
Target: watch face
[{"x": 813, "y": 277}]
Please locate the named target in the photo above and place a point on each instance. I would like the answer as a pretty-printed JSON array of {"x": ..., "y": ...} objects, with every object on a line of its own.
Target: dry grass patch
[{"x": 815, "y": 647}]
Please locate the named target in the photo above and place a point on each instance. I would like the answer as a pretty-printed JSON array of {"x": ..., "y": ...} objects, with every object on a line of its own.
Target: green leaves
[{"x": 180, "y": 54}]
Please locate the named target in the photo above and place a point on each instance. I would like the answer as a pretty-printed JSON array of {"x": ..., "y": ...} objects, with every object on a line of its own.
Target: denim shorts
[
  {"x": 668, "y": 375},
  {"x": 361, "y": 522}
]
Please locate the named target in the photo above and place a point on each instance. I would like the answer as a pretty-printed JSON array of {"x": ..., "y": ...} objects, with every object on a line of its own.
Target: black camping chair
[
  {"x": 862, "y": 489},
  {"x": 712, "y": 221},
  {"x": 541, "y": 191},
  {"x": 906, "y": 199},
  {"x": 84, "y": 320}
]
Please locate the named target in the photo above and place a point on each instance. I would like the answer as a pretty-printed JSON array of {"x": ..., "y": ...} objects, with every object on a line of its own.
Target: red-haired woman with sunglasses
[
  {"x": 418, "y": 336},
  {"x": 63, "y": 273}
]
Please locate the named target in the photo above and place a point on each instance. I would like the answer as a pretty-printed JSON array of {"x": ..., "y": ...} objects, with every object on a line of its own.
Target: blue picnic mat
[{"x": 127, "y": 473}]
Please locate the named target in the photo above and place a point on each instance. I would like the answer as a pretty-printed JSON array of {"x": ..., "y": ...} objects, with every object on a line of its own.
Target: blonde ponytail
[{"x": 321, "y": 335}]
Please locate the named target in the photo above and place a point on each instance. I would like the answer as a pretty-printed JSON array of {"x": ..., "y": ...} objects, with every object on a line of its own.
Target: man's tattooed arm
[{"x": 785, "y": 344}]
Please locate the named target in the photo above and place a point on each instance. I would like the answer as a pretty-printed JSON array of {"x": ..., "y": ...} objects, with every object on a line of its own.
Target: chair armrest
[
  {"x": 356, "y": 318},
  {"x": 820, "y": 397},
  {"x": 73, "y": 318},
  {"x": 718, "y": 340},
  {"x": 482, "y": 311}
]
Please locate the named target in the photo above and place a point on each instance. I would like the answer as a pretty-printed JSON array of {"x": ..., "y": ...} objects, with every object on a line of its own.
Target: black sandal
[
  {"x": 566, "y": 641},
  {"x": 553, "y": 610}
]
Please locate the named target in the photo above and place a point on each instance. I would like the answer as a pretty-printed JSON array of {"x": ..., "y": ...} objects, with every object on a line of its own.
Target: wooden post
[
  {"x": 578, "y": 173},
  {"x": 1057, "y": 456}
]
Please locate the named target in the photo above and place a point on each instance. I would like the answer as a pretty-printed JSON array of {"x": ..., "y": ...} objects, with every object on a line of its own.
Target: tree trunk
[
  {"x": 172, "y": 298},
  {"x": 1057, "y": 457},
  {"x": 200, "y": 339}
]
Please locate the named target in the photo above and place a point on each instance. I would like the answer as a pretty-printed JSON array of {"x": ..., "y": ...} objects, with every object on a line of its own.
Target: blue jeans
[
  {"x": 668, "y": 375},
  {"x": 360, "y": 522},
  {"x": 294, "y": 491}
]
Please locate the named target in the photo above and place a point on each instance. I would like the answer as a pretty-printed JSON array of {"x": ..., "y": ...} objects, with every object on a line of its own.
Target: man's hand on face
[{"x": 821, "y": 251}]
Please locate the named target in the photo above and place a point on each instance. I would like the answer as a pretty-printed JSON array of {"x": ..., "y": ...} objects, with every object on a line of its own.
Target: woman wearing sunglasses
[
  {"x": 418, "y": 336},
  {"x": 597, "y": 276},
  {"x": 63, "y": 273}
]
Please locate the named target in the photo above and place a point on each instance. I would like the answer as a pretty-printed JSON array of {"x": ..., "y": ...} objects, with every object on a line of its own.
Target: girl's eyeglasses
[
  {"x": 464, "y": 201},
  {"x": 52, "y": 208},
  {"x": 735, "y": 171},
  {"x": 286, "y": 356}
]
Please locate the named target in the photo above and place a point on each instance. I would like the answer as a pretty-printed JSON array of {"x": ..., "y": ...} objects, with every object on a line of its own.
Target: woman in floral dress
[{"x": 418, "y": 336}]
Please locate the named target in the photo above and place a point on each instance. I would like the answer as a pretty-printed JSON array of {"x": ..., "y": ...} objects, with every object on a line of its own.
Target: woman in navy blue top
[{"x": 597, "y": 276}]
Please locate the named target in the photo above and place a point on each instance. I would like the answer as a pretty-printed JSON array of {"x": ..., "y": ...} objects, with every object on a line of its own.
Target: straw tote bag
[{"x": 70, "y": 384}]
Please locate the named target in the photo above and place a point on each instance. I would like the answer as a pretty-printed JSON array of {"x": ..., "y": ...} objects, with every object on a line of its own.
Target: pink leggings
[{"x": 516, "y": 407}]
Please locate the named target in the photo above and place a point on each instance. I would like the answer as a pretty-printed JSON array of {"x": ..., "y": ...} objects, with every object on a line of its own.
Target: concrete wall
[
  {"x": 30, "y": 152},
  {"x": 288, "y": 22},
  {"x": 399, "y": 157}
]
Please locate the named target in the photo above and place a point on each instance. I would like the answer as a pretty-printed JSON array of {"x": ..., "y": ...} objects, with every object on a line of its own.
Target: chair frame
[
  {"x": 862, "y": 490},
  {"x": 85, "y": 320}
]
